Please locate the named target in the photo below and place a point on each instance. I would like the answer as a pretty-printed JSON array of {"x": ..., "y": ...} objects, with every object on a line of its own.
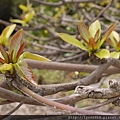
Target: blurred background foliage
[{"x": 53, "y": 17}]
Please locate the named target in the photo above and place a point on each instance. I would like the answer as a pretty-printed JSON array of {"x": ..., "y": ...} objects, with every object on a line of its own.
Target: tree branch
[
  {"x": 52, "y": 103},
  {"x": 68, "y": 66},
  {"x": 56, "y": 4}
]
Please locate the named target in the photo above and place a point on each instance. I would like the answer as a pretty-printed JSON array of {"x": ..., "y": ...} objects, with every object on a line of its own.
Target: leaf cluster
[
  {"x": 92, "y": 40},
  {"x": 13, "y": 59},
  {"x": 27, "y": 14}
]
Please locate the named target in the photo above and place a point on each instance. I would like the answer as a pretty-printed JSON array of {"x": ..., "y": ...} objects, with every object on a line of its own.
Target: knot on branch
[
  {"x": 117, "y": 102},
  {"x": 114, "y": 85},
  {"x": 88, "y": 92}
]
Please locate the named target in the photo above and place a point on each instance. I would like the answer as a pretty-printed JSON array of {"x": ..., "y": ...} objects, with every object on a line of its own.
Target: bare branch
[
  {"x": 68, "y": 67},
  {"x": 56, "y": 4},
  {"x": 52, "y": 103},
  {"x": 91, "y": 92}
]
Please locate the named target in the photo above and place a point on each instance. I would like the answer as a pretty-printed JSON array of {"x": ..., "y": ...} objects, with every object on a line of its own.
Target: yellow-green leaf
[
  {"x": 104, "y": 53},
  {"x": 94, "y": 27},
  {"x": 115, "y": 55},
  {"x": 6, "y": 34},
  {"x": 18, "y": 21},
  {"x": 84, "y": 32},
  {"x": 115, "y": 38},
  {"x": 6, "y": 67},
  {"x": 4, "y": 53},
  {"x": 115, "y": 35},
  {"x": 29, "y": 16},
  {"x": 32, "y": 56},
  {"x": 23, "y": 7},
  {"x": 69, "y": 39}
]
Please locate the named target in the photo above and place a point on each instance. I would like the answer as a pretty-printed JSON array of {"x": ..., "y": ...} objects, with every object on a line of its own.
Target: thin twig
[
  {"x": 101, "y": 104},
  {"x": 56, "y": 4},
  {"x": 103, "y": 10},
  {"x": 12, "y": 111}
]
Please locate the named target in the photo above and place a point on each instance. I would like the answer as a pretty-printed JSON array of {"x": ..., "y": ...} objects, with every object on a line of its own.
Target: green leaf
[
  {"x": 115, "y": 55},
  {"x": 18, "y": 21},
  {"x": 24, "y": 71},
  {"x": 6, "y": 34},
  {"x": 23, "y": 8},
  {"x": 29, "y": 16},
  {"x": 83, "y": 29},
  {"x": 94, "y": 27},
  {"x": 111, "y": 28},
  {"x": 4, "y": 53},
  {"x": 6, "y": 67},
  {"x": 104, "y": 53},
  {"x": 15, "y": 44},
  {"x": 115, "y": 35},
  {"x": 115, "y": 38},
  {"x": 72, "y": 40},
  {"x": 32, "y": 56}
]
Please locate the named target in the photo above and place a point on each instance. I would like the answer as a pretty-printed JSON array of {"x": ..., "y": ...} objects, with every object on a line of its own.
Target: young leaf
[
  {"x": 29, "y": 55},
  {"x": 111, "y": 28},
  {"x": 115, "y": 35},
  {"x": 94, "y": 27},
  {"x": 2, "y": 61},
  {"x": 24, "y": 71},
  {"x": 4, "y": 53},
  {"x": 97, "y": 36},
  {"x": 92, "y": 45},
  {"x": 18, "y": 21},
  {"x": 6, "y": 34},
  {"x": 23, "y": 8},
  {"x": 83, "y": 29},
  {"x": 72, "y": 40},
  {"x": 115, "y": 55},
  {"x": 6, "y": 67},
  {"x": 20, "y": 51},
  {"x": 29, "y": 16},
  {"x": 104, "y": 53},
  {"x": 15, "y": 43}
]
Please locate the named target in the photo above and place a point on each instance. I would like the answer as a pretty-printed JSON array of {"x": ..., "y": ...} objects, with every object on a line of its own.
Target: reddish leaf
[
  {"x": 2, "y": 61},
  {"x": 118, "y": 45},
  {"x": 92, "y": 44},
  {"x": 84, "y": 32},
  {"x": 20, "y": 51},
  {"x": 109, "y": 42},
  {"x": 15, "y": 43},
  {"x": 4, "y": 53},
  {"x": 111, "y": 28},
  {"x": 24, "y": 71},
  {"x": 96, "y": 37},
  {"x": 10, "y": 56},
  {"x": 84, "y": 40}
]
